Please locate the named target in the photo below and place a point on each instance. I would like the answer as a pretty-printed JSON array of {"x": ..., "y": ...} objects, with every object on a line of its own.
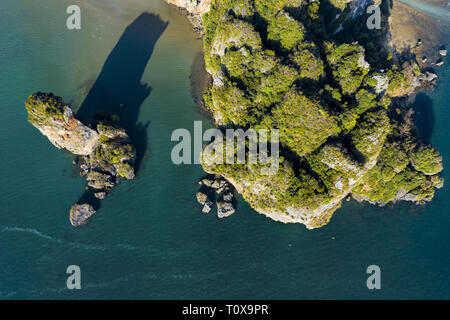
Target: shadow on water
[
  {"x": 424, "y": 116},
  {"x": 118, "y": 89}
]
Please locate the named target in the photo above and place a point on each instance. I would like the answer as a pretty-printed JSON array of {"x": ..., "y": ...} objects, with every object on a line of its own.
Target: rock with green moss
[
  {"x": 55, "y": 120},
  {"x": 105, "y": 155},
  {"x": 406, "y": 169},
  {"x": 113, "y": 158},
  {"x": 426, "y": 160}
]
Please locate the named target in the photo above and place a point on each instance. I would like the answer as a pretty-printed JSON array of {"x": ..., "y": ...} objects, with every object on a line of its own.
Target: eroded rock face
[
  {"x": 55, "y": 120},
  {"x": 80, "y": 214}
]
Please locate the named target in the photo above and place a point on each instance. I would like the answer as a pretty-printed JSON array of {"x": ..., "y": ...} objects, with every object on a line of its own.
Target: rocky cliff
[{"x": 329, "y": 84}]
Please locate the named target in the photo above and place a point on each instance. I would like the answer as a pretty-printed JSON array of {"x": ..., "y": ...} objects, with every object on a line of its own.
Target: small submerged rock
[{"x": 80, "y": 214}]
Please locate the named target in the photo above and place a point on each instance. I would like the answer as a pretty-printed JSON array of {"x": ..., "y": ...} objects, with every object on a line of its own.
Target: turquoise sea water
[{"x": 148, "y": 240}]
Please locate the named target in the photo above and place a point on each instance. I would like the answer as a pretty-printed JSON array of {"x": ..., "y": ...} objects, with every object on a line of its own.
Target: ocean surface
[{"x": 149, "y": 239}]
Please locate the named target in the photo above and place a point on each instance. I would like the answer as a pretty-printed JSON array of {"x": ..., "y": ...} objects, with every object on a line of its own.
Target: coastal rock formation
[
  {"x": 216, "y": 187},
  {"x": 113, "y": 159},
  {"x": 55, "y": 120},
  {"x": 80, "y": 214},
  {"x": 104, "y": 154},
  {"x": 276, "y": 65}
]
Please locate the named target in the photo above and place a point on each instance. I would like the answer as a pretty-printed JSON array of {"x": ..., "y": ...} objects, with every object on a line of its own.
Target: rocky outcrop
[
  {"x": 80, "y": 214},
  {"x": 55, "y": 120},
  {"x": 207, "y": 207},
  {"x": 224, "y": 209},
  {"x": 201, "y": 198},
  {"x": 113, "y": 159},
  {"x": 216, "y": 187},
  {"x": 104, "y": 154}
]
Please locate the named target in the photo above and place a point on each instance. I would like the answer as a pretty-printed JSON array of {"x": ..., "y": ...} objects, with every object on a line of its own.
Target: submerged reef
[
  {"x": 103, "y": 151},
  {"x": 335, "y": 90}
]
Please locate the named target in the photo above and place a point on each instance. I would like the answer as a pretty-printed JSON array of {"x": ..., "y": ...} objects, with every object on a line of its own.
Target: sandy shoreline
[{"x": 408, "y": 24}]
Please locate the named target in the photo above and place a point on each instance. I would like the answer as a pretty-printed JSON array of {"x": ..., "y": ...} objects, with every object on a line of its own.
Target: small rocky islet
[
  {"x": 104, "y": 152},
  {"x": 215, "y": 187}
]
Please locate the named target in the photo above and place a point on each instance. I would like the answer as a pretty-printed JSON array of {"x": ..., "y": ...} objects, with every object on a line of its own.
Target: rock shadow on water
[
  {"x": 118, "y": 89},
  {"x": 424, "y": 117}
]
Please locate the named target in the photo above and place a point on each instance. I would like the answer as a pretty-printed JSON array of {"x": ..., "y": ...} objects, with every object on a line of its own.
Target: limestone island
[
  {"x": 104, "y": 151},
  {"x": 338, "y": 92}
]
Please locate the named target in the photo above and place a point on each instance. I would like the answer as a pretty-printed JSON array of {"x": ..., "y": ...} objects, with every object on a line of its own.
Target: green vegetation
[
  {"x": 278, "y": 64},
  {"x": 44, "y": 107},
  {"x": 114, "y": 149},
  {"x": 427, "y": 160},
  {"x": 348, "y": 65},
  {"x": 285, "y": 30},
  {"x": 406, "y": 169},
  {"x": 306, "y": 58},
  {"x": 303, "y": 124}
]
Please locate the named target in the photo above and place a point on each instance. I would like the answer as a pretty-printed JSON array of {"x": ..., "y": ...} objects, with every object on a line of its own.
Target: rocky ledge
[{"x": 104, "y": 151}]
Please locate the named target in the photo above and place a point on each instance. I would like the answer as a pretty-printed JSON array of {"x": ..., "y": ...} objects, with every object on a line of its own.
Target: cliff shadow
[
  {"x": 118, "y": 89},
  {"x": 424, "y": 118}
]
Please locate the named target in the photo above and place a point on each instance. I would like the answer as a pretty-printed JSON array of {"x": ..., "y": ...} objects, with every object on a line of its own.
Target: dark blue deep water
[{"x": 148, "y": 240}]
